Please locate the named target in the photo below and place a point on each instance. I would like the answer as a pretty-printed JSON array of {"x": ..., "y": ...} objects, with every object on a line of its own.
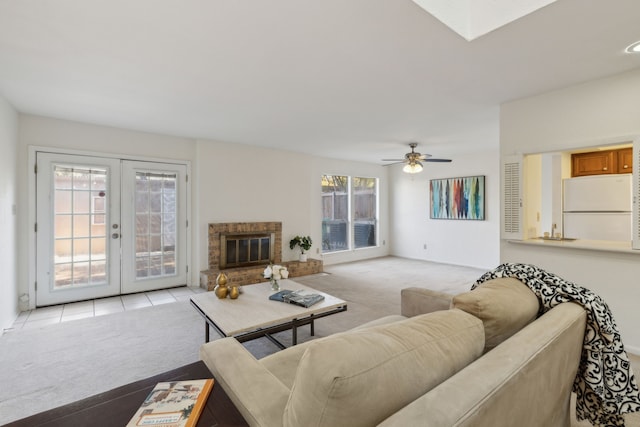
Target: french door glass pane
[
  {"x": 79, "y": 238},
  {"x": 155, "y": 222}
]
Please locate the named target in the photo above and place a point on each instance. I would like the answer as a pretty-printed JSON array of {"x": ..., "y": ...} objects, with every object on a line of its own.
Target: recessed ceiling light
[{"x": 634, "y": 48}]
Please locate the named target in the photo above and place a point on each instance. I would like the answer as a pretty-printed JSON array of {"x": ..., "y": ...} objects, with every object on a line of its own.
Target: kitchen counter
[{"x": 590, "y": 245}]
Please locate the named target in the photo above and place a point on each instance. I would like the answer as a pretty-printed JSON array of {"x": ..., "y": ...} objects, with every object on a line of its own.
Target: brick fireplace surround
[{"x": 252, "y": 274}]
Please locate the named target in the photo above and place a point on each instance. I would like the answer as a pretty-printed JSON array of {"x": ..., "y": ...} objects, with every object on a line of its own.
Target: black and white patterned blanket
[{"x": 605, "y": 385}]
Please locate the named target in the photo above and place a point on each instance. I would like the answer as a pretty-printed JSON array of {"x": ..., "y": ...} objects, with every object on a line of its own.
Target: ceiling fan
[{"x": 414, "y": 160}]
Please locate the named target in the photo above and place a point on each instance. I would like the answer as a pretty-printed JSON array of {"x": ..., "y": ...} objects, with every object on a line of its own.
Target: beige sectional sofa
[{"x": 482, "y": 358}]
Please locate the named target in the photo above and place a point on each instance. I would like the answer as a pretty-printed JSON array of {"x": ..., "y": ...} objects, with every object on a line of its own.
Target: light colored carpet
[
  {"x": 46, "y": 367},
  {"x": 54, "y": 365}
]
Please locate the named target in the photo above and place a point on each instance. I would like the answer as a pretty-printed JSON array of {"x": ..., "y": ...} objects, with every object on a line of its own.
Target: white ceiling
[{"x": 351, "y": 79}]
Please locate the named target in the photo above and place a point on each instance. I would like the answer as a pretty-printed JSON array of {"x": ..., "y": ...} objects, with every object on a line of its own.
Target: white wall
[
  {"x": 246, "y": 183},
  {"x": 470, "y": 243},
  {"x": 603, "y": 110},
  {"x": 8, "y": 194},
  {"x": 48, "y": 132},
  {"x": 230, "y": 182}
]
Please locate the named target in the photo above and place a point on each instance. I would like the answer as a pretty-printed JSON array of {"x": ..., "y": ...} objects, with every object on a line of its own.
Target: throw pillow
[{"x": 505, "y": 305}]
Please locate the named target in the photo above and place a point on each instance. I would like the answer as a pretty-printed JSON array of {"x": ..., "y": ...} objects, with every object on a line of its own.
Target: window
[
  {"x": 349, "y": 212},
  {"x": 365, "y": 202},
  {"x": 335, "y": 213}
]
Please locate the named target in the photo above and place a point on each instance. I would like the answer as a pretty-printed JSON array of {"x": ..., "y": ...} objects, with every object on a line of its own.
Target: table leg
[
  {"x": 206, "y": 331},
  {"x": 294, "y": 332},
  {"x": 313, "y": 329}
]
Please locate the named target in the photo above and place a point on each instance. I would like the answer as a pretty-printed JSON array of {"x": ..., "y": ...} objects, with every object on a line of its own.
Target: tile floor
[{"x": 79, "y": 310}]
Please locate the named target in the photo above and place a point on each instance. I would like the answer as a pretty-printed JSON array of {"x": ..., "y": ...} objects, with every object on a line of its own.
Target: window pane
[
  {"x": 142, "y": 267},
  {"x": 81, "y": 226},
  {"x": 81, "y": 202},
  {"x": 63, "y": 275},
  {"x": 63, "y": 201},
  {"x": 98, "y": 248},
  {"x": 169, "y": 263},
  {"x": 335, "y": 213},
  {"x": 81, "y": 179},
  {"x": 98, "y": 272},
  {"x": 365, "y": 205},
  {"x": 62, "y": 250},
  {"x": 62, "y": 226},
  {"x": 80, "y": 273},
  {"x": 142, "y": 202},
  {"x": 155, "y": 223}
]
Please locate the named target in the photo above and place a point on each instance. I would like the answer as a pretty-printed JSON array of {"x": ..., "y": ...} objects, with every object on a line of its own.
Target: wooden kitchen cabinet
[
  {"x": 625, "y": 160},
  {"x": 593, "y": 163},
  {"x": 602, "y": 162}
]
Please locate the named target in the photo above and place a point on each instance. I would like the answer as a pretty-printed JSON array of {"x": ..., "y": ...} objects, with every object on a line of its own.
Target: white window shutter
[
  {"x": 511, "y": 220},
  {"x": 635, "y": 243}
]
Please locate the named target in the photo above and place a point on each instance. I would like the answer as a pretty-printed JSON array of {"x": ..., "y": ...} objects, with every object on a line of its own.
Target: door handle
[{"x": 115, "y": 235}]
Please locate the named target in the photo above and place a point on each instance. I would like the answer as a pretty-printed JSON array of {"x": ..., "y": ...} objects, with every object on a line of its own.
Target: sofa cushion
[
  {"x": 283, "y": 364},
  {"x": 361, "y": 377},
  {"x": 505, "y": 306}
]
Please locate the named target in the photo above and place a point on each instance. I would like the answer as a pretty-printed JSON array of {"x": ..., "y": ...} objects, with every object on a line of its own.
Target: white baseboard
[{"x": 633, "y": 350}]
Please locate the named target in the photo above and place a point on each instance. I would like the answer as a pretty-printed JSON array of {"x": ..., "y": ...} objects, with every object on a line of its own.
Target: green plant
[{"x": 303, "y": 241}]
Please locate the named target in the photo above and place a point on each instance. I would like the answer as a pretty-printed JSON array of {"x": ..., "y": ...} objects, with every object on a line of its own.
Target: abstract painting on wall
[{"x": 457, "y": 198}]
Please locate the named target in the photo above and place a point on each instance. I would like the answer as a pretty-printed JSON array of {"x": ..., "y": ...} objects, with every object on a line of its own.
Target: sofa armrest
[
  {"x": 527, "y": 378},
  {"x": 257, "y": 393},
  {"x": 415, "y": 301}
]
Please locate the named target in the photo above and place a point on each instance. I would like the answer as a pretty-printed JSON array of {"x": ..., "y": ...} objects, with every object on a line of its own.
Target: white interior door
[
  {"x": 84, "y": 251},
  {"x": 78, "y": 206},
  {"x": 154, "y": 225}
]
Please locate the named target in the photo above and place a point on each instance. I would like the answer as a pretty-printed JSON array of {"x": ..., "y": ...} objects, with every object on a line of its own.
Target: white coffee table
[{"x": 253, "y": 315}]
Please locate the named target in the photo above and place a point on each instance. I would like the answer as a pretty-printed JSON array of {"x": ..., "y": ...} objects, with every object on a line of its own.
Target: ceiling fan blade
[
  {"x": 393, "y": 160},
  {"x": 394, "y": 163},
  {"x": 437, "y": 160}
]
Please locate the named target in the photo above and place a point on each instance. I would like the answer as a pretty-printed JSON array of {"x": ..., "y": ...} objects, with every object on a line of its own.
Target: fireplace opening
[{"x": 242, "y": 250}]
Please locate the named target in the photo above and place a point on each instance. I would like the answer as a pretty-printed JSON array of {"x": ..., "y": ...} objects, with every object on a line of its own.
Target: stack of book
[
  {"x": 177, "y": 403},
  {"x": 301, "y": 297}
]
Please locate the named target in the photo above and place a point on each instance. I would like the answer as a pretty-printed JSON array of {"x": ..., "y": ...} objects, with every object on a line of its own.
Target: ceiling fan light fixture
[
  {"x": 412, "y": 167},
  {"x": 633, "y": 48}
]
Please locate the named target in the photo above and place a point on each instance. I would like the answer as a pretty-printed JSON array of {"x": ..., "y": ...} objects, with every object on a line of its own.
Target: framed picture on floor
[{"x": 457, "y": 198}]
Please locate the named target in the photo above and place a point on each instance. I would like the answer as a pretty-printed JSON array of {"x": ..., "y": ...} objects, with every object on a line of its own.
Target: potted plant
[{"x": 305, "y": 244}]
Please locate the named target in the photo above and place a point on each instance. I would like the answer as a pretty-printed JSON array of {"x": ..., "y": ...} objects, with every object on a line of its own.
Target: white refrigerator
[{"x": 598, "y": 207}]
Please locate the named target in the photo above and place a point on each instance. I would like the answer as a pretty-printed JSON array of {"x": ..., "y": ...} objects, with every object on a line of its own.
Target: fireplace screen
[{"x": 240, "y": 250}]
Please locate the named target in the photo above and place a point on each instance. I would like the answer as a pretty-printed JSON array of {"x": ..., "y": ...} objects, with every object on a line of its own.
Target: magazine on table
[
  {"x": 300, "y": 297},
  {"x": 175, "y": 404}
]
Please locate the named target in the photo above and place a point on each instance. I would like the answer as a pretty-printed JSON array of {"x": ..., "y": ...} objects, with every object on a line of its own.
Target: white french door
[
  {"x": 107, "y": 226},
  {"x": 154, "y": 215}
]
